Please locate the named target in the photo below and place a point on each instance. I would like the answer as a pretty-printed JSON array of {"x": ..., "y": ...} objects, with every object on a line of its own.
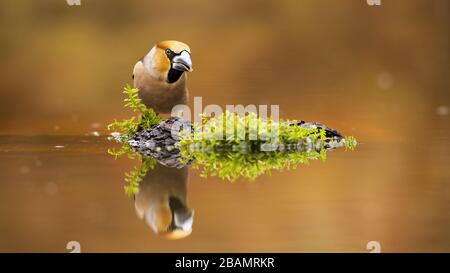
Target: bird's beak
[
  {"x": 183, "y": 224},
  {"x": 184, "y": 221},
  {"x": 182, "y": 62}
]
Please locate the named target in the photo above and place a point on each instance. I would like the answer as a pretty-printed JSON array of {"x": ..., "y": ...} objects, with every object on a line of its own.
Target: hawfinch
[
  {"x": 160, "y": 77},
  {"x": 161, "y": 202}
]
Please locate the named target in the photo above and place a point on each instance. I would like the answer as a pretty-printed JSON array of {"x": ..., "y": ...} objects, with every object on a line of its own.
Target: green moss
[
  {"x": 231, "y": 128},
  {"x": 350, "y": 143},
  {"x": 135, "y": 176},
  {"x": 126, "y": 128},
  {"x": 228, "y": 146},
  {"x": 146, "y": 118},
  {"x": 263, "y": 146}
]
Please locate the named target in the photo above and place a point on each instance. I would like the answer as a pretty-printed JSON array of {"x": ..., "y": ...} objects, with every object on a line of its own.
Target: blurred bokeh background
[
  {"x": 63, "y": 67},
  {"x": 379, "y": 73}
]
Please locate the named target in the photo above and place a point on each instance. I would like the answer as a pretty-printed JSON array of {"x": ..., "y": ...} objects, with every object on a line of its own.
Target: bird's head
[
  {"x": 170, "y": 218},
  {"x": 168, "y": 60}
]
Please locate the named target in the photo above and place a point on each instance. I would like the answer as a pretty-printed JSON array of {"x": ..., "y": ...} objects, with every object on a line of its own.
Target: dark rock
[
  {"x": 160, "y": 141},
  {"x": 331, "y": 133}
]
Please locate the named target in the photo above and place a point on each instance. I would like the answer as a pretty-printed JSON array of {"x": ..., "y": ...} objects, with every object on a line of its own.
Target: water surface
[{"x": 64, "y": 188}]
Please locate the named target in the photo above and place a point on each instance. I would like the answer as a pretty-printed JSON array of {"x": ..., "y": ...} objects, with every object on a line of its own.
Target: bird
[
  {"x": 160, "y": 76},
  {"x": 162, "y": 202}
]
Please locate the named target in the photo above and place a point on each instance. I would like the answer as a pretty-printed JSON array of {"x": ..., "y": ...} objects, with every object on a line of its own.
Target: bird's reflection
[
  {"x": 159, "y": 184},
  {"x": 161, "y": 201}
]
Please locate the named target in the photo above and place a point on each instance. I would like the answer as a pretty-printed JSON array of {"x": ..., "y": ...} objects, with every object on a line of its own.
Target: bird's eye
[{"x": 168, "y": 51}]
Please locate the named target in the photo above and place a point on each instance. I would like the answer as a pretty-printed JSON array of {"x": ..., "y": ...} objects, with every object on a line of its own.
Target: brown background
[{"x": 379, "y": 73}]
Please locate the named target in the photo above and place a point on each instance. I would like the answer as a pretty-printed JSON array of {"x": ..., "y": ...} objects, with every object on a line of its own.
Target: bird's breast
[{"x": 158, "y": 94}]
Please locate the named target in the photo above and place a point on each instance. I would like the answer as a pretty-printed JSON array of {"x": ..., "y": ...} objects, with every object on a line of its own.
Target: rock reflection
[{"x": 161, "y": 200}]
